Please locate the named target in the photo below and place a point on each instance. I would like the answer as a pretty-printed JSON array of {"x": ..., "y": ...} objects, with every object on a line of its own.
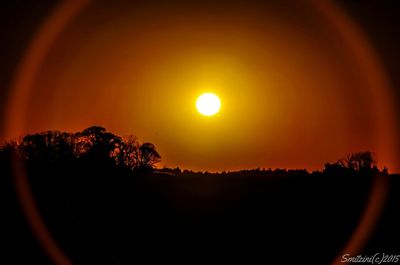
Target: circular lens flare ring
[
  {"x": 208, "y": 104},
  {"x": 20, "y": 90}
]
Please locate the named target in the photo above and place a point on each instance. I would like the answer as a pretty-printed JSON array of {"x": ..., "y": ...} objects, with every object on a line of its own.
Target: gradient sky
[{"x": 291, "y": 94}]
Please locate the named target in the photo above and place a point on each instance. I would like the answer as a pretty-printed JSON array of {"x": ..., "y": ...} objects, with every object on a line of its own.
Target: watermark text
[{"x": 377, "y": 258}]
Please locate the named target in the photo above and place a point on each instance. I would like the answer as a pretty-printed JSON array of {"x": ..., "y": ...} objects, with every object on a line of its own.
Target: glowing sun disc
[{"x": 208, "y": 104}]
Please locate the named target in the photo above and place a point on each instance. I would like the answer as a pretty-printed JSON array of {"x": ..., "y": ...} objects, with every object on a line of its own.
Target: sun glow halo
[{"x": 208, "y": 104}]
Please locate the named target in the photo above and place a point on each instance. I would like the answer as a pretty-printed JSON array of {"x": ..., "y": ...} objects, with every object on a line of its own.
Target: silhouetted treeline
[
  {"x": 104, "y": 203},
  {"x": 96, "y": 144},
  {"x": 92, "y": 144},
  {"x": 352, "y": 164}
]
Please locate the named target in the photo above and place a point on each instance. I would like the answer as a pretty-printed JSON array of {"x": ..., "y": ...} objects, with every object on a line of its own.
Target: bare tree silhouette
[
  {"x": 136, "y": 155},
  {"x": 359, "y": 161}
]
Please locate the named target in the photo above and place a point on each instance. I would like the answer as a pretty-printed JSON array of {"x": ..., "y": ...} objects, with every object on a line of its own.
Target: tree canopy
[{"x": 93, "y": 143}]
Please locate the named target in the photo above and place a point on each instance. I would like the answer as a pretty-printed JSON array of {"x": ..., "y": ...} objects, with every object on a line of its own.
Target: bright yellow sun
[{"x": 208, "y": 104}]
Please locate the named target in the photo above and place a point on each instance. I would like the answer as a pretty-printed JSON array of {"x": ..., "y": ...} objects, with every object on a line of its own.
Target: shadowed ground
[
  {"x": 116, "y": 217},
  {"x": 103, "y": 213}
]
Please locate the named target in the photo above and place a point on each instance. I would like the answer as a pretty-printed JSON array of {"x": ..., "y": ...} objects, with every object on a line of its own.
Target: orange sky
[{"x": 292, "y": 96}]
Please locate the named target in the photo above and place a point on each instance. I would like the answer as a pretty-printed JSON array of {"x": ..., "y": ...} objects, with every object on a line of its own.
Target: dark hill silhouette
[{"x": 103, "y": 203}]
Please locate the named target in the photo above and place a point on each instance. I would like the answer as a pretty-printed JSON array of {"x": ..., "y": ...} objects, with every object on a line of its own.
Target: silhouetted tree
[
  {"x": 148, "y": 156},
  {"x": 50, "y": 145},
  {"x": 136, "y": 155},
  {"x": 359, "y": 161},
  {"x": 9, "y": 146},
  {"x": 129, "y": 151},
  {"x": 335, "y": 168},
  {"x": 97, "y": 144}
]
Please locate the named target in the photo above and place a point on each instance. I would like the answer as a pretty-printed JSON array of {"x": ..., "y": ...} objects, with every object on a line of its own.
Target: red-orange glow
[
  {"x": 293, "y": 95},
  {"x": 16, "y": 114},
  {"x": 298, "y": 89}
]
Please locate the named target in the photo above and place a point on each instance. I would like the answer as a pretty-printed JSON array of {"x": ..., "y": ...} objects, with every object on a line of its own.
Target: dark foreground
[{"x": 102, "y": 215}]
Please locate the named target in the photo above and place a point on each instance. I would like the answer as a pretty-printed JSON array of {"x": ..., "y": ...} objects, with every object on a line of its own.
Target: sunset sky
[{"x": 294, "y": 93}]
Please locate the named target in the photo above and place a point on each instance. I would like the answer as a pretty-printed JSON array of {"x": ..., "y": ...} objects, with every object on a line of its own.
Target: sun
[{"x": 208, "y": 104}]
